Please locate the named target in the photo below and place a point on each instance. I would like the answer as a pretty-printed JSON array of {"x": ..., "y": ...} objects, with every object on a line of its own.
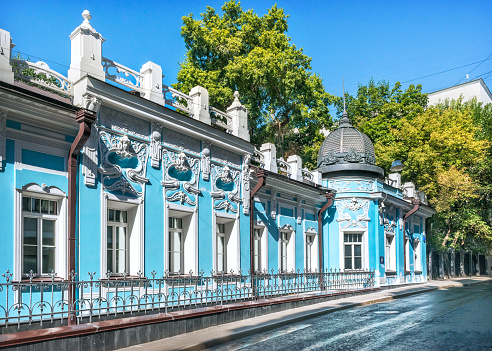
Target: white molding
[
  {"x": 41, "y": 140},
  {"x": 27, "y": 145}
]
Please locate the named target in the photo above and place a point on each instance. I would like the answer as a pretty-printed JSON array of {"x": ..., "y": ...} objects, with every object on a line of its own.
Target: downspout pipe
[
  {"x": 261, "y": 174},
  {"x": 329, "y": 202},
  {"x": 85, "y": 119},
  {"x": 416, "y": 206}
]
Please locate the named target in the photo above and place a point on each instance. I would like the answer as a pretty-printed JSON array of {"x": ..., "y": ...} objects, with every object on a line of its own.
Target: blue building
[{"x": 109, "y": 174}]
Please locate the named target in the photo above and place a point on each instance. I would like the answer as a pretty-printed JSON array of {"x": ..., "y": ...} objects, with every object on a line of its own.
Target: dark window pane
[
  {"x": 48, "y": 237},
  {"x": 45, "y": 206},
  {"x": 53, "y": 209},
  {"x": 348, "y": 250},
  {"x": 26, "y": 204},
  {"x": 110, "y": 261},
  {"x": 36, "y": 205},
  {"x": 48, "y": 259},
  {"x": 359, "y": 238},
  {"x": 117, "y": 215},
  {"x": 30, "y": 259},
  {"x": 348, "y": 263},
  {"x": 357, "y": 263},
  {"x": 111, "y": 215},
  {"x": 110, "y": 237},
  {"x": 345, "y": 238},
  {"x": 123, "y": 216},
  {"x": 30, "y": 231},
  {"x": 357, "y": 250}
]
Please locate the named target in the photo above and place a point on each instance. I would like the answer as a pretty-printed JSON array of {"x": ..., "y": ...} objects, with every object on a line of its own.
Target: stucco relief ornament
[
  {"x": 370, "y": 159},
  {"x": 123, "y": 164},
  {"x": 225, "y": 187},
  {"x": 246, "y": 189},
  {"x": 206, "y": 162},
  {"x": 352, "y": 157},
  {"x": 353, "y": 205},
  {"x": 155, "y": 145},
  {"x": 340, "y": 185},
  {"x": 180, "y": 173},
  {"x": 330, "y": 159}
]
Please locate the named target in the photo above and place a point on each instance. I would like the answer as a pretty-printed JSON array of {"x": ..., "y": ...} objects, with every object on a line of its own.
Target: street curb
[{"x": 260, "y": 328}]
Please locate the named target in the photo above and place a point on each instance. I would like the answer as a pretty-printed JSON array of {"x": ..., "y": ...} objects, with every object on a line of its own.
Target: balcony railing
[
  {"x": 221, "y": 119},
  {"x": 41, "y": 74},
  {"x": 45, "y": 300},
  {"x": 122, "y": 75}
]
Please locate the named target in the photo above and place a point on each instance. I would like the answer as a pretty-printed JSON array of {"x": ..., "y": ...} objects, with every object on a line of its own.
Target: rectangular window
[
  {"x": 353, "y": 250},
  {"x": 309, "y": 249},
  {"x": 38, "y": 235},
  {"x": 117, "y": 241},
  {"x": 390, "y": 253},
  {"x": 176, "y": 256},
  {"x": 416, "y": 251},
  {"x": 407, "y": 255},
  {"x": 257, "y": 249},
  {"x": 284, "y": 241},
  {"x": 221, "y": 248}
]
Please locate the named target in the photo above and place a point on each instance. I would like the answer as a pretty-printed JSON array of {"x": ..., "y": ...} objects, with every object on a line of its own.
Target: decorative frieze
[
  {"x": 123, "y": 122},
  {"x": 246, "y": 183},
  {"x": 354, "y": 208},
  {"x": 176, "y": 140},
  {"x": 226, "y": 157}
]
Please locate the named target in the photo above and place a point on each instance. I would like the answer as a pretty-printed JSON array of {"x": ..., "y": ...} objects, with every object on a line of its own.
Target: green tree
[
  {"x": 242, "y": 51},
  {"x": 377, "y": 107},
  {"x": 443, "y": 150}
]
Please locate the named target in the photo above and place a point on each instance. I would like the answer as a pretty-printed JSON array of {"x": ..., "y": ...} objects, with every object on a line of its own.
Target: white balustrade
[
  {"x": 221, "y": 119},
  {"x": 133, "y": 80},
  {"x": 308, "y": 176},
  {"x": 41, "y": 74},
  {"x": 283, "y": 167},
  {"x": 175, "y": 98}
]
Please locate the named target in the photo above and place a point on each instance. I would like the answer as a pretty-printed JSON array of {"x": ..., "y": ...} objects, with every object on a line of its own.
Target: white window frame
[
  {"x": 189, "y": 235},
  {"x": 406, "y": 266},
  {"x": 352, "y": 244},
  {"x": 135, "y": 231},
  {"x": 390, "y": 262},
  {"x": 313, "y": 264},
  {"x": 113, "y": 225},
  {"x": 170, "y": 252},
  {"x": 263, "y": 245},
  {"x": 61, "y": 226},
  {"x": 289, "y": 251},
  {"x": 417, "y": 254},
  {"x": 232, "y": 241},
  {"x": 221, "y": 235}
]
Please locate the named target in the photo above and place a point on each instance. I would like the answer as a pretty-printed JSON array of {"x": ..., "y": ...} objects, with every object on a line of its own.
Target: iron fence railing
[{"x": 45, "y": 299}]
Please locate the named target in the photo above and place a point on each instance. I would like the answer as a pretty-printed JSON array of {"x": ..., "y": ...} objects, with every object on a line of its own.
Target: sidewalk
[{"x": 223, "y": 333}]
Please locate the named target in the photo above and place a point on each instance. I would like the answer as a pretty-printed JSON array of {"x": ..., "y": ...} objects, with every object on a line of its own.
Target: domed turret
[{"x": 347, "y": 149}]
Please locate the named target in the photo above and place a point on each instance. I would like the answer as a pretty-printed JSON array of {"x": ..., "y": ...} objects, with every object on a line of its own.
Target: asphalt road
[{"x": 448, "y": 319}]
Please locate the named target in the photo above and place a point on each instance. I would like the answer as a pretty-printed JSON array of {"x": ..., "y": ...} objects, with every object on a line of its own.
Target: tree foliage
[{"x": 239, "y": 50}]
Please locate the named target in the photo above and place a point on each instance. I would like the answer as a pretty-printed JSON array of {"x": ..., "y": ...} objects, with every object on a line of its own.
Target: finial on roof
[
  {"x": 345, "y": 121},
  {"x": 86, "y": 15},
  {"x": 236, "y": 95}
]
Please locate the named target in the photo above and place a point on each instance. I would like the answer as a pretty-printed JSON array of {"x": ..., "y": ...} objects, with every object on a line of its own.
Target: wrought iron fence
[{"x": 46, "y": 299}]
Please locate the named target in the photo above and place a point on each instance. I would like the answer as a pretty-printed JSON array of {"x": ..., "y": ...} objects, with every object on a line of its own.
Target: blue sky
[{"x": 390, "y": 40}]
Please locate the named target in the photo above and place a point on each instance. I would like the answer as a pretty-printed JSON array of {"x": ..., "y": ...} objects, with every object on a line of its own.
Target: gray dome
[{"x": 347, "y": 149}]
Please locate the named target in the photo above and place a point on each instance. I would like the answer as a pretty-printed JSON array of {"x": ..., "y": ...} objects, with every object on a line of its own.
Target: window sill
[
  {"x": 128, "y": 277},
  {"x": 418, "y": 272},
  {"x": 390, "y": 272},
  {"x": 41, "y": 279},
  {"x": 408, "y": 272}
]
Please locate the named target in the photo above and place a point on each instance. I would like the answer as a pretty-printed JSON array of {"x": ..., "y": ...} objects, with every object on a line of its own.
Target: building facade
[{"x": 108, "y": 173}]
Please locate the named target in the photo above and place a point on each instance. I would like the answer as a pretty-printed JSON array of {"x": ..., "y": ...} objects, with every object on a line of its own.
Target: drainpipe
[
  {"x": 329, "y": 202},
  {"x": 261, "y": 174},
  {"x": 416, "y": 206},
  {"x": 85, "y": 118}
]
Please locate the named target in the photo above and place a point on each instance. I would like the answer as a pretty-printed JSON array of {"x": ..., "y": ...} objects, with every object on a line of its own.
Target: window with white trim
[
  {"x": 39, "y": 235},
  {"x": 257, "y": 249},
  {"x": 284, "y": 242},
  {"x": 390, "y": 253},
  {"x": 352, "y": 249},
  {"x": 417, "y": 255},
  {"x": 407, "y": 254},
  {"x": 309, "y": 251},
  {"x": 176, "y": 245},
  {"x": 117, "y": 241},
  {"x": 221, "y": 248}
]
